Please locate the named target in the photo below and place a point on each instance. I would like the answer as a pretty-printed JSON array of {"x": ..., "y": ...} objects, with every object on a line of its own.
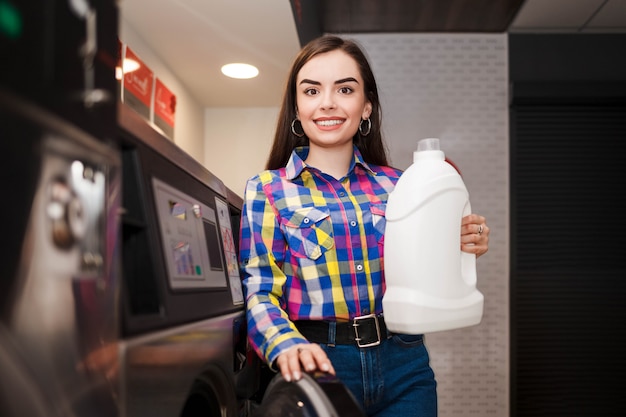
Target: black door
[{"x": 318, "y": 395}]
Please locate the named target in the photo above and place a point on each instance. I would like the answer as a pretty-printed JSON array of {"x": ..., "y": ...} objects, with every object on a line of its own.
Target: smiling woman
[{"x": 312, "y": 234}]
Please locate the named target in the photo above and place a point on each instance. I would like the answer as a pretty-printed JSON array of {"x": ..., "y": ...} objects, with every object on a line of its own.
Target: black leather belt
[{"x": 364, "y": 331}]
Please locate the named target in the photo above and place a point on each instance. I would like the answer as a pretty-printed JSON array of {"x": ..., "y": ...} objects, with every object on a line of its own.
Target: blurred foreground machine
[{"x": 59, "y": 283}]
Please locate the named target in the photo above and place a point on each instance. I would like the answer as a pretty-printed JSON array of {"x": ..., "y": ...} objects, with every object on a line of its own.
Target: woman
[{"x": 311, "y": 239}]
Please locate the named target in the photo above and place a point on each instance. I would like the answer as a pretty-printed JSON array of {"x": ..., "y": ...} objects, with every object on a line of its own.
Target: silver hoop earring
[
  {"x": 293, "y": 128},
  {"x": 369, "y": 127}
]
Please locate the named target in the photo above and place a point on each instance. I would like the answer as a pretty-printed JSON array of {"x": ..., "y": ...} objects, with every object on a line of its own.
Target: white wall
[
  {"x": 237, "y": 142},
  {"x": 189, "y": 122}
]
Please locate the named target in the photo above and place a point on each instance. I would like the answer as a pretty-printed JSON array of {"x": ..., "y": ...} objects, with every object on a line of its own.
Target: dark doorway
[{"x": 568, "y": 250}]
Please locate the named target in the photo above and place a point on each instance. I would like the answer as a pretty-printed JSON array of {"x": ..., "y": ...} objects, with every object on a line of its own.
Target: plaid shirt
[{"x": 311, "y": 248}]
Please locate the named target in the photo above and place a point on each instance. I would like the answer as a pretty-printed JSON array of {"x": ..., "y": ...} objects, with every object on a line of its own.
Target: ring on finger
[{"x": 480, "y": 229}]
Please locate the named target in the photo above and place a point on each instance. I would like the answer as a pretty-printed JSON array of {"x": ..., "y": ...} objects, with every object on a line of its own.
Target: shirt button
[
  {"x": 366, "y": 311},
  {"x": 341, "y": 194},
  {"x": 352, "y": 223},
  {"x": 306, "y": 220},
  {"x": 359, "y": 267}
]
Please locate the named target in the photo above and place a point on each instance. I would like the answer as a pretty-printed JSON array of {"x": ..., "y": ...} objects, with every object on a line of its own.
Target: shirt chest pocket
[
  {"x": 379, "y": 221},
  {"x": 308, "y": 231}
]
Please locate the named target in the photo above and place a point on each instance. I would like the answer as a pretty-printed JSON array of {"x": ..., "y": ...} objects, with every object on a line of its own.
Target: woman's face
[{"x": 330, "y": 99}]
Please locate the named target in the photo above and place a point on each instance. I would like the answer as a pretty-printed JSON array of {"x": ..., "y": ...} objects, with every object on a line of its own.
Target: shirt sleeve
[{"x": 262, "y": 251}]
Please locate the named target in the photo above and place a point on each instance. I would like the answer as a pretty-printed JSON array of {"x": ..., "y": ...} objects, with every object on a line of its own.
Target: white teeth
[{"x": 329, "y": 122}]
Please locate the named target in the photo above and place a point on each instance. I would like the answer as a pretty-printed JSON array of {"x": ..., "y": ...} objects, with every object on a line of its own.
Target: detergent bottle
[{"x": 430, "y": 282}]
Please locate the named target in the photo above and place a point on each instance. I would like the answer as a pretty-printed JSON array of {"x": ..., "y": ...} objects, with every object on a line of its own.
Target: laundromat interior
[{"x": 527, "y": 97}]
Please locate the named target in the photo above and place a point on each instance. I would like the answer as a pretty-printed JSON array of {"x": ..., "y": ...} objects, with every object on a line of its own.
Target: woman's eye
[
  {"x": 345, "y": 90},
  {"x": 310, "y": 91}
]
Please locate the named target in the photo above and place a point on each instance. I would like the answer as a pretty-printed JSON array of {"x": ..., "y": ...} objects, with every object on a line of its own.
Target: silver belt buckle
[{"x": 356, "y": 325}]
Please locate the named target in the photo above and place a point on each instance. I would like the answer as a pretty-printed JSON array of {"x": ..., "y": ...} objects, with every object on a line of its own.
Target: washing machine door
[{"x": 317, "y": 395}]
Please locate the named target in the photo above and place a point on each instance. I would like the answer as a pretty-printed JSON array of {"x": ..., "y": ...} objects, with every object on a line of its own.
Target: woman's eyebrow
[
  {"x": 346, "y": 80},
  {"x": 341, "y": 81}
]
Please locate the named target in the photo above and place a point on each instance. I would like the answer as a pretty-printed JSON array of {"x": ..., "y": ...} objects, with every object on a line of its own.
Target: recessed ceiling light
[{"x": 241, "y": 71}]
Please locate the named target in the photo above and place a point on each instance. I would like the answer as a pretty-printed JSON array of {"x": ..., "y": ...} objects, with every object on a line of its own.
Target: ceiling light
[{"x": 241, "y": 71}]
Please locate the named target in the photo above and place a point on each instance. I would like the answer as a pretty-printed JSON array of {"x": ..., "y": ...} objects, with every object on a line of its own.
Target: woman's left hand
[{"x": 474, "y": 234}]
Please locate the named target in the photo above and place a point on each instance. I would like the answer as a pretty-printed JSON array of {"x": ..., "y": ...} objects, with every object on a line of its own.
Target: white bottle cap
[{"x": 428, "y": 144}]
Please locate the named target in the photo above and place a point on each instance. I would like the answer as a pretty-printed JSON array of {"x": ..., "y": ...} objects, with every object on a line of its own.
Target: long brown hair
[{"x": 372, "y": 147}]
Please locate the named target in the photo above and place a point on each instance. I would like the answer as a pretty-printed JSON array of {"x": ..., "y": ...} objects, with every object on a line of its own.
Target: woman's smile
[{"x": 329, "y": 124}]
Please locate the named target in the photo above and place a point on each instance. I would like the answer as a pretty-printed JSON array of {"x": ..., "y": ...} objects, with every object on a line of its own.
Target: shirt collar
[{"x": 296, "y": 163}]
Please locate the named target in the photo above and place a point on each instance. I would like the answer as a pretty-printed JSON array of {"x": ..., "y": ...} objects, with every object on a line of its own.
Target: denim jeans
[{"x": 392, "y": 379}]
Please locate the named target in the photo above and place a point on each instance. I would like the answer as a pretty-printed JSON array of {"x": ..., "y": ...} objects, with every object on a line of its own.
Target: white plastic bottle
[{"x": 431, "y": 283}]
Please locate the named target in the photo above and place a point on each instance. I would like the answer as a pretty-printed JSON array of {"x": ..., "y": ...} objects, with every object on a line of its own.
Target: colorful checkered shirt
[{"x": 311, "y": 248}]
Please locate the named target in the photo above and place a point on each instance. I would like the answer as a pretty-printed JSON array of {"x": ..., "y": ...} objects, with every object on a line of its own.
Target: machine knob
[{"x": 66, "y": 214}]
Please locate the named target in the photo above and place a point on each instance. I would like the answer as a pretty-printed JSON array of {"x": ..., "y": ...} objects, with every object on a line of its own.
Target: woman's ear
[{"x": 367, "y": 111}]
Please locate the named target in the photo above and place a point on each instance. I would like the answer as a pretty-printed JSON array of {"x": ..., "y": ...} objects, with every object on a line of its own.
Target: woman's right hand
[{"x": 304, "y": 356}]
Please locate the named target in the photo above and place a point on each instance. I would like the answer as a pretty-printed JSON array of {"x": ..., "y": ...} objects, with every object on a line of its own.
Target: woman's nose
[{"x": 328, "y": 101}]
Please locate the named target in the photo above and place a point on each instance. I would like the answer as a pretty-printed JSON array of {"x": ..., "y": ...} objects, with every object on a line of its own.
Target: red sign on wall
[
  {"x": 139, "y": 82},
  {"x": 164, "y": 103}
]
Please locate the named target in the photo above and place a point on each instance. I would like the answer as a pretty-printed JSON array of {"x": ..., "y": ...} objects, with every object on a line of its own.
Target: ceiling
[{"x": 194, "y": 38}]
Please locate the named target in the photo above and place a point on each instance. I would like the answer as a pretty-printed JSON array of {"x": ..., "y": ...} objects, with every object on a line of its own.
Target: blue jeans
[{"x": 389, "y": 380}]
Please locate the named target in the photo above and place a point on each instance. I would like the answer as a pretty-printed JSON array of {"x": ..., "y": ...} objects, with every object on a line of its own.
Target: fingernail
[
  {"x": 325, "y": 367},
  {"x": 296, "y": 376},
  {"x": 287, "y": 378}
]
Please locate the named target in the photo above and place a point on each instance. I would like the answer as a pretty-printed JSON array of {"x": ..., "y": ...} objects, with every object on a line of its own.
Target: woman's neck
[{"x": 332, "y": 161}]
